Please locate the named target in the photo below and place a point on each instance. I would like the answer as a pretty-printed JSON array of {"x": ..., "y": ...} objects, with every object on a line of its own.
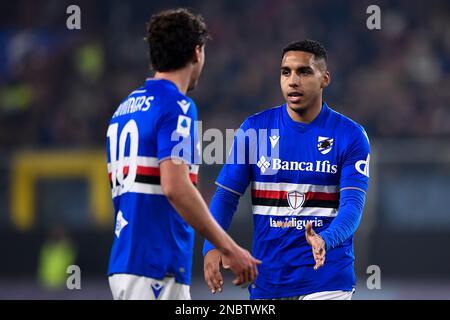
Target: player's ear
[
  {"x": 326, "y": 78},
  {"x": 197, "y": 54}
]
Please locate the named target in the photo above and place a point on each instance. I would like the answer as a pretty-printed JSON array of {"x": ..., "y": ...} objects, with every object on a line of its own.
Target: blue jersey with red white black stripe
[
  {"x": 296, "y": 172},
  {"x": 154, "y": 123}
]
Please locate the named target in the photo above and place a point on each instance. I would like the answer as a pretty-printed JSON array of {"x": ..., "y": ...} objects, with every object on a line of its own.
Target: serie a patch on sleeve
[{"x": 184, "y": 125}]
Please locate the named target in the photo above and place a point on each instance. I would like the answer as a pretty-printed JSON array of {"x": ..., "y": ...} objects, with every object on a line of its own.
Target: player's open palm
[{"x": 317, "y": 244}]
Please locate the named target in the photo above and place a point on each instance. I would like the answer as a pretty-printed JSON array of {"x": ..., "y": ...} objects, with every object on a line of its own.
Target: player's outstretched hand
[
  {"x": 238, "y": 260},
  {"x": 211, "y": 270},
  {"x": 317, "y": 244},
  {"x": 243, "y": 265}
]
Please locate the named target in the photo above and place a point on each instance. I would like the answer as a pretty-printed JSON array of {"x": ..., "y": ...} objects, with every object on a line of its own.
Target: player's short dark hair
[
  {"x": 310, "y": 46},
  {"x": 172, "y": 36}
]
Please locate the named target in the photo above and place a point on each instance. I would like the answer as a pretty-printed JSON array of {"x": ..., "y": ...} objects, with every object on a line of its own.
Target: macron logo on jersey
[
  {"x": 157, "y": 288},
  {"x": 274, "y": 140},
  {"x": 184, "y": 123},
  {"x": 184, "y": 105}
]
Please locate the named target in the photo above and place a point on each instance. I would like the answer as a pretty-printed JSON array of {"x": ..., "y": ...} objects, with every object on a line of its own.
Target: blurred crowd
[{"x": 59, "y": 87}]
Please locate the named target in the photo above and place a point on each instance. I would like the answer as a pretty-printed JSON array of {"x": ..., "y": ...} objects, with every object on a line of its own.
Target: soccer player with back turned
[
  {"x": 153, "y": 187},
  {"x": 308, "y": 189}
]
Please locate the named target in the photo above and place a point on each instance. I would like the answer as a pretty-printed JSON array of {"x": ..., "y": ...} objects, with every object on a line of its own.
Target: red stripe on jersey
[
  {"x": 274, "y": 194},
  {"x": 322, "y": 196},
  {"x": 193, "y": 177},
  {"x": 269, "y": 194},
  {"x": 154, "y": 172}
]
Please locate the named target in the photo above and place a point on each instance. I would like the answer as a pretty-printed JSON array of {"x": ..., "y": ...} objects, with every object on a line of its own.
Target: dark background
[{"x": 59, "y": 88}]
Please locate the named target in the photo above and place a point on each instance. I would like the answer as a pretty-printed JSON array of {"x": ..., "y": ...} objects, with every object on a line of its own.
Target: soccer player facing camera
[
  {"x": 308, "y": 180},
  {"x": 153, "y": 188}
]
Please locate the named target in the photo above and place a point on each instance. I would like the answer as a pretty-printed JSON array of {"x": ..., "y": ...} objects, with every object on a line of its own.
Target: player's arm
[
  {"x": 223, "y": 206},
  {"x": 176, "y": 131},
  {"x": 342, "y": 227},
  {"x": 353, "y": 184},
  {"x": 232, "y": 183},
  {"x": 188, "y": 202}
]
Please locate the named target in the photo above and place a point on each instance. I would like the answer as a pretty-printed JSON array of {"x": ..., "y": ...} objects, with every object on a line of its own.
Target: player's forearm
[
  {"x": 189, "y": 204},
  {"x": 223, "y": 206},
  {"x": 347, "y": 220}
]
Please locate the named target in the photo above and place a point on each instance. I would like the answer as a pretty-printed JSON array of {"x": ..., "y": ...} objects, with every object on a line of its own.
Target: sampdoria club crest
[{"x": 324, "y": 144}]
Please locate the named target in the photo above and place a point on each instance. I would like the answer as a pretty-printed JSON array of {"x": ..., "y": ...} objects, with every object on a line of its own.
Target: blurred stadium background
[{"x": 58, "y": 89}]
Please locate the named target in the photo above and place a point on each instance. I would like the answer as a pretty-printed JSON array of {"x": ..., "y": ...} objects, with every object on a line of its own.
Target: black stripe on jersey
[
  {"x": 284, "y": 203},
  {"x": 156, "y": 180},
  {"x": 148, "y": 179},
  {"x": 322, "y": 203},
  {"x": 143, "y": 179},
  {"x": 270, "y": 202}
]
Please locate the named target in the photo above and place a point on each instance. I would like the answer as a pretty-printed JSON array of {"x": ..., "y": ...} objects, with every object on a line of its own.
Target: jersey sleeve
[
  {"x": 177, "y": 134},
  {"x": 235, "y": 174},
  {"x": 355, "y": 167}
]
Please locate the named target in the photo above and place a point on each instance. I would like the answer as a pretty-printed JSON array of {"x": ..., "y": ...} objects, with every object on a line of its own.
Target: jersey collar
[{"x": 303, "y": 127}]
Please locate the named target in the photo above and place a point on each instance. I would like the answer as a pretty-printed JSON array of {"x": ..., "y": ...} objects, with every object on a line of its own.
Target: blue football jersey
[
  {"x": 296, "y": 172},
  {"x": 154, "y": 123}
]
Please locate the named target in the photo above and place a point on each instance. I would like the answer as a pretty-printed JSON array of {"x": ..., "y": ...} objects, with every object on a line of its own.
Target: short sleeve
[{"x": 177, "y": 132}]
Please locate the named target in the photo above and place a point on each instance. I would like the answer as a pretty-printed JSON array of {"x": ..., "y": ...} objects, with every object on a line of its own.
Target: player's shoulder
[
  {"x": 167, "y": 97},
  {"x": 345, "y": 124},
  {"x": 179, "y": 103},
  {"x": 264, "y": 118}
]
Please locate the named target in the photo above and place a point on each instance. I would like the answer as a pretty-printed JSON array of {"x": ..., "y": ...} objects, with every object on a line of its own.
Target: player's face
[
  {"x": 198, "y": 66},
  {"x": 302, "y": 79}
]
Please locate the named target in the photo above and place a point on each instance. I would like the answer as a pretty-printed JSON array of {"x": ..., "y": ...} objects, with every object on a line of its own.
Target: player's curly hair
[
  {"x": 307, "y": 45},
  {"x": 172, "y": 36}
]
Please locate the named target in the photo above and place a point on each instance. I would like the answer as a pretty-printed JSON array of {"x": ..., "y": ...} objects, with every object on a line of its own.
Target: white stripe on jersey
[
  {"x": 287, "y": 211},
  {"x": 151, "y": 162},
  {"x": 194, "y": 168},
  {"x": 140, "y": 188},
  {"x": 303, "y": 188},
  {"x": 141, "y": 161}
]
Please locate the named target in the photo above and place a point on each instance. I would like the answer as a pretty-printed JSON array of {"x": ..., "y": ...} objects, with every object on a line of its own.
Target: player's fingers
[
  {"x": 218, "y": 280},
  {"x": 248, "y": 274},
  {"x": 321, "y": 254},
  {"x": 211, "y": 272},
  {"x": 257, "y": 261},
  {"x": 309, "y": 228},
  {"x": 214, "y": 283},
  {"x": 253, "y": 272},
  {"x": 209, "y": 283},
  {"x": 316, "y": 259},
  {"x": 225, "y": 263},
  {"x": 239, "y": 279},
  {"x": 319, "y": 263}
]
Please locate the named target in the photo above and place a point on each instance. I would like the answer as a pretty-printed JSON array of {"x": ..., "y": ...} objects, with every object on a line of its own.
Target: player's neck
[
  {"x": 306, "y": 115},
  {"x": 180, "y": 78}
]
